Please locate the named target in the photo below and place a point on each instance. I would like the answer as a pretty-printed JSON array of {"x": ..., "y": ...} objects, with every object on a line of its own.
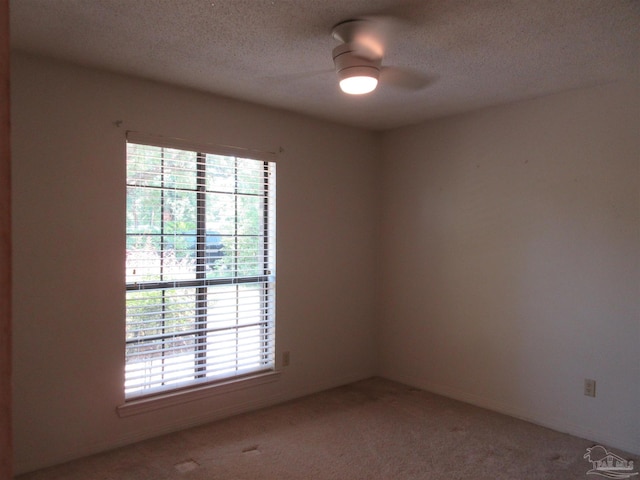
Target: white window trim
[
  {"x": 134, "y": 406},
  {"x": 178, "y": 397},
  {"x": 212, "y": 148}
]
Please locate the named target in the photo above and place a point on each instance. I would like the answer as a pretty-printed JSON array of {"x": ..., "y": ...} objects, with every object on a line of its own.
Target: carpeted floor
[{"x": 374, "y": 429}]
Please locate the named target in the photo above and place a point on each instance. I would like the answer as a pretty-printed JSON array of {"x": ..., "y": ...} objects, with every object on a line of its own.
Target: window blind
[{"x": 200, "y": 267}]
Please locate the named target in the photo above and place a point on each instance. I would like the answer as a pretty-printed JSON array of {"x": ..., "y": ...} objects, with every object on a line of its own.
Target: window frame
[{"x": 201, "y": 383}]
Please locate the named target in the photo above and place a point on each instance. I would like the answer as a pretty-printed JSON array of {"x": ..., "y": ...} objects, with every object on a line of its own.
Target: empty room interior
[{"x": 470, "y": 228}]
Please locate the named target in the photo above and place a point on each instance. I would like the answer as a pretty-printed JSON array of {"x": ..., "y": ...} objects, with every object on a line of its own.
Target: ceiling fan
[{"x": 358, "y": 59}]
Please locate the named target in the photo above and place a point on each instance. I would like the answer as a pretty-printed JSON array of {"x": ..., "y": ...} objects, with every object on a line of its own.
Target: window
[{"x": 200, "y": 266}]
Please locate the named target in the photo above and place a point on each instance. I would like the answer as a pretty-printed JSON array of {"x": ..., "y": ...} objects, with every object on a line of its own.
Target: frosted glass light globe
[{"x": 358, "y": 85}]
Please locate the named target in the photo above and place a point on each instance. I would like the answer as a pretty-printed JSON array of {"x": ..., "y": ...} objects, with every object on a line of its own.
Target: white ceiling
[{"x": 475, "y": 53}]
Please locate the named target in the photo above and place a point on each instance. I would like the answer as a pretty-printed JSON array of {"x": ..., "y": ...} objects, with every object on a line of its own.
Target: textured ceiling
[{"x": 474, "y": 53}]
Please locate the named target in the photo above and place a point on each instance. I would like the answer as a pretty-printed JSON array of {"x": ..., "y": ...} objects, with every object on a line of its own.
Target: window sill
[{"x": 156, "y": 402}]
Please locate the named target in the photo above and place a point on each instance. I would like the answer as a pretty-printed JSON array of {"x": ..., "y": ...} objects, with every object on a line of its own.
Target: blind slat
[{"x": 200, "y": 265}]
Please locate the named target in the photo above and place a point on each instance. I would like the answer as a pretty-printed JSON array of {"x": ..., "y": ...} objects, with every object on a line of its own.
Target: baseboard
[
  {"x": 232, "y": 410},
  {"x": 130, "y": 438},
  {"x": 554, "y": 423}
]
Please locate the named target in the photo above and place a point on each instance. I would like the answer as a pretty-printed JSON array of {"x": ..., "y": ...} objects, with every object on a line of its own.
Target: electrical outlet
[
  {"x": 286, "y": 359},
  {"x": 589, "y": 387}
]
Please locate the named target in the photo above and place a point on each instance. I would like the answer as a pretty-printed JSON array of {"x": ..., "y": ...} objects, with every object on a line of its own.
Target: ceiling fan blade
[{"x": 406, "y": 78}]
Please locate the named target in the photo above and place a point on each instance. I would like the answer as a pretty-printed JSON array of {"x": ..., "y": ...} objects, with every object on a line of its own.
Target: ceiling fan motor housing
[{"x": 348, "y": 63}]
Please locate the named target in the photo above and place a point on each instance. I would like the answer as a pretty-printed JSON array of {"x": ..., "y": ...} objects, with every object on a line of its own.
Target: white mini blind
[{"x": 200, "y": 267}]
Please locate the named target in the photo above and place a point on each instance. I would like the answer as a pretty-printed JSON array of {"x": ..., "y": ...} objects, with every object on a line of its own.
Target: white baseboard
[
  {"x": 230, "y": 411},
  {"x": 554, "y": 423},
  {"x": 259, "y": 402}
]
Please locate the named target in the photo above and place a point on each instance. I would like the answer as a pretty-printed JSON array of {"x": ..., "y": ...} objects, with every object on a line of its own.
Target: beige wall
[
  {"x": 511, "y": 260},
  {"x": 68, "y": 230},
  {"x": 498, "y": 251}
]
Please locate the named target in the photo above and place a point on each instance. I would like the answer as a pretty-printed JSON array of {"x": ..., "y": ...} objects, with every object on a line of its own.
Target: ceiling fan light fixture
[
  {"x": 357, "y": 75},
  {"x": 358, "y": 80}
]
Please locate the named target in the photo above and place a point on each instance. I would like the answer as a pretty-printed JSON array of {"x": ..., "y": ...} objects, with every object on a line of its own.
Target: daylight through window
[{"x": 200, "y": 268}]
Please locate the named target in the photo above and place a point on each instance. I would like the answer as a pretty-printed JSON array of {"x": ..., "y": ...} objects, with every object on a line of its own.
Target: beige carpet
[{"x": 374, "y": 429}]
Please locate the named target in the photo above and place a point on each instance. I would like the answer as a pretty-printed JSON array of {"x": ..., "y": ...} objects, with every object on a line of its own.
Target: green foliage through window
[{"x": 200, "y": 267}]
